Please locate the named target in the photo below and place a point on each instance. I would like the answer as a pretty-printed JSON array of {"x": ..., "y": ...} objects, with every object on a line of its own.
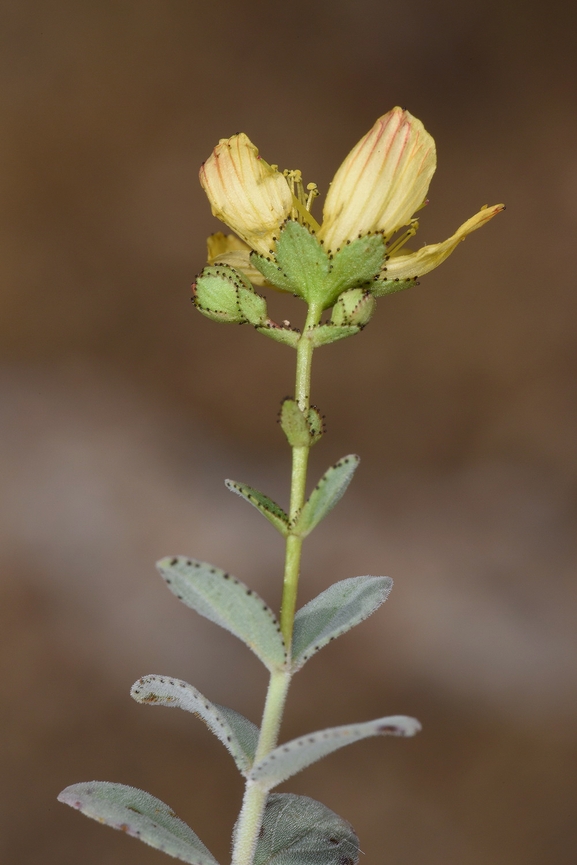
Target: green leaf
[
  {"x": 381, "y": 287},
  {"x": 326, "y": 494},
  {"x": 302, "y": 258},
  {"x": 284, "y": 335},
  {"x": 334, "y": 612},
  {"x": 294, "y": 424},
  {"x": 316, "y": 424},
  {"x": 297, "y": 830},
  {"x": 138, "y": 814},
  {"x": 229, "y": 603},
  {"x": 290, "y": 758},
  {"x": 269, "y": 509},
  {"x": 324, "y": 334},
  {"x": 238, "y": 735},
  {"x": 357, "y": 263}
]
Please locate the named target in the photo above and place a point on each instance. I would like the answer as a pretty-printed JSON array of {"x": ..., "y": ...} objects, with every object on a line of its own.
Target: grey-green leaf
[
  {"x": 334, "y": 612},
  {"x": 238, "y": 735},
  {"x": 269, "y": 509},
  {"x": 229, "y": 603},
  {"x": 297, "y": 830},
  {"x": 138, "y": 814},
  {"x": 290, "y": 758},
  {"x": 326, "y": 494}
]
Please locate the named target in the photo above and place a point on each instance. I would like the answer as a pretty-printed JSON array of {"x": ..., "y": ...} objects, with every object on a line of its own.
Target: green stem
[
  {"x": 300, "y": 458},
  {"x": 254, "y": 801}
]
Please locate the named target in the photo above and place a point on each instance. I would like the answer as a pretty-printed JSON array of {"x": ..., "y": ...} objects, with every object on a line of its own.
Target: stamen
[
  {"x": 302, "y": 202},
  {"x": 313, "y": 192},
  {"x": 400, "y": 241}
]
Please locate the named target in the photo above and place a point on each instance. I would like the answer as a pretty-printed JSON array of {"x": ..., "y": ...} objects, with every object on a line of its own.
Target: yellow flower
[{"x": 379, "y": 187}]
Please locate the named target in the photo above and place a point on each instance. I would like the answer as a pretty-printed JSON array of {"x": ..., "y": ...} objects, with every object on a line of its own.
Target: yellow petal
[
  {"x": 230, "y": 249},
  {"x": 382, "y": 182},
  {"x": 245, "y": 192},
  {"x": 219, "y": 244},
  {"x": 418, "y": 263}
]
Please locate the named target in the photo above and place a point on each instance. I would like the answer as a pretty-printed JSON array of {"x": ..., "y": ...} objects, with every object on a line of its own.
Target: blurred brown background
[{"x": 123, "y": 410}]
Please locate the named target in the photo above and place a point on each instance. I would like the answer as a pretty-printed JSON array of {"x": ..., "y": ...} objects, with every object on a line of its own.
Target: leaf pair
[
  {"x": 329, "y": 490},
  {"x": 240, "y": 736},
  {"x": 296, "y": 830},
  {"x": 230, "y": 604}
]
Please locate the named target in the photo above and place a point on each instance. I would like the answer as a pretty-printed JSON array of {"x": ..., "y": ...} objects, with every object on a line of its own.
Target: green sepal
[
  {"x": 297, "y": 830},
  {"x": 381, "y": 287},
  {"x": 316, "y": 424},
  {"x": 252, "y": 306},
  {"x": 139, "y": 814},
  {"x": 272, "y": 272},
  {"x": 357, "y": 263},
  {"x": 227, "y": 602},
  {"x": 326, "y": 494},
  {"x": 215, "y": 293},
  {"x": 269, "y": 509},
  {"x": 324, "y": 334},
  {"x": 238, "y": 735},
  {"x": 285, "y": 335},
  {"x": 354, "y": 307},
  {"x": 294, "y": 424},
  {"x": 302, "y": 258}
]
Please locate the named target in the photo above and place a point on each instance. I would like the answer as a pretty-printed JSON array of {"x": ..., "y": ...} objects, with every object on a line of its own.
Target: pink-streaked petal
[
  {"x": 245, "y": 192},
  {"x": 382, "y": 182}
]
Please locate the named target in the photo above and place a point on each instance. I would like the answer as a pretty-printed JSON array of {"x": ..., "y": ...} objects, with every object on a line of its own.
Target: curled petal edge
[{"x": 416, "y": 264}]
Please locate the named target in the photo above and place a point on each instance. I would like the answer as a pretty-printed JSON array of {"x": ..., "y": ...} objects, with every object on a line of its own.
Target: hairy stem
[{"x": 254, "y": 801}]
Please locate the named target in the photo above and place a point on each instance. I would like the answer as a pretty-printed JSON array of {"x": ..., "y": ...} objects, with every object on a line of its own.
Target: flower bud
[
  {"x": 223, "y": 294},
  {"x": 354, "y": 307}
]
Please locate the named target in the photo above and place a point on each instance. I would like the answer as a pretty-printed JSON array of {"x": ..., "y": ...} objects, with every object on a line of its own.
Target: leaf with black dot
[
  {"x": 326, "y": 494},
  {"x": 140, "y": 815},
  {"x": 297, "y": 830},
  {"x": 334, "y": 612},
  {"x": 290, "y": 758},
  {"x": 269, "y": 509},
  {"x": 238, "y": 735},
  {"x": 227, "y": 602}
]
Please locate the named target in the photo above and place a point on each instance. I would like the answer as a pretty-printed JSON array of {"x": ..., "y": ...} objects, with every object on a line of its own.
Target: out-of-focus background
[{"x": 123, "y": 410}]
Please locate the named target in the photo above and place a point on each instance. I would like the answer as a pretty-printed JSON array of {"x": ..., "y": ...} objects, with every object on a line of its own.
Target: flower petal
[
  {"x": 382, "y": 182},
  {"x": 230, "y": 249},
  {"x": 245, "y": 192},
  {"x": 416, "y": 264}
]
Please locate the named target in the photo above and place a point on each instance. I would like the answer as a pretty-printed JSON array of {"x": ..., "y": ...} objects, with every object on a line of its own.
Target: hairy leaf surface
[
  {"x": 229, "y": 603},
  {"x": 138, "y": 814},
  {"x": 334, "y": 612},
  {"x": 238, "y": 735},
  {"x": 297, "y": 830},
  {"x": 292, "y": 757},
  {"x": 269, "y": 509},
  {"x": 326, "y": 494}
]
